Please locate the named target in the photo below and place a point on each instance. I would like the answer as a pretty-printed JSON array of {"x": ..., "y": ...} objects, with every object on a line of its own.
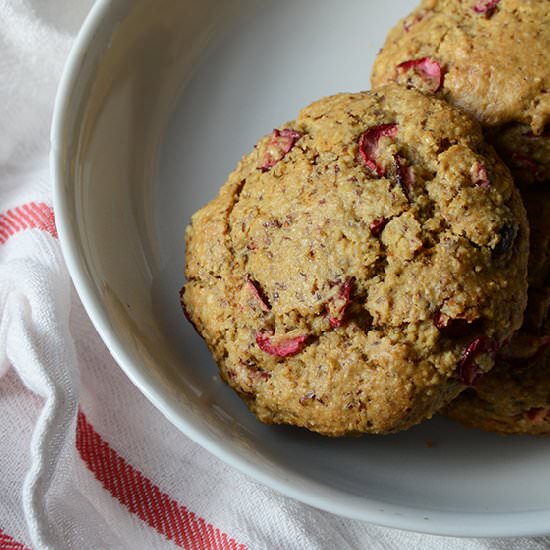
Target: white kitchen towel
[{"x": 86, "y": 462}]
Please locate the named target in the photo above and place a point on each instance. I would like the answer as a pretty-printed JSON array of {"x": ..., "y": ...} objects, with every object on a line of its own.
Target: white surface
[{"x": 145, "y": 132}]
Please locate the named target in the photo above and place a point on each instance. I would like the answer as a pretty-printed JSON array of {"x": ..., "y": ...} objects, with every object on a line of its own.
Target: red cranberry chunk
[
  {"x": 468, "y": 370},
  {"x": 337, "y": 307},
  {"x": 428, "y": 69},
  {"x": 377, "y": 226},
  {"x": 280, "y": 143},
  {"x": 284, "y": 346},
  {"x": 368, "y": 145},
  {"x": 404, "y": 175},
  {"x": 258, "y": 292},
  {"x": 487, "y": 7},
  {"x": 479, "y": 175}
]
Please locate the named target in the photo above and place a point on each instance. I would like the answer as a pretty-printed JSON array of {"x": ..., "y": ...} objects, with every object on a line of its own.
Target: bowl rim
[{"x": 458, "y": 524}]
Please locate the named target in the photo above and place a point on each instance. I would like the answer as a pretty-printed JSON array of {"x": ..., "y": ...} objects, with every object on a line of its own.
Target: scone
[
  {"x": 361, "y": 265},
  {"x": 515, "y": 397},
  {"x": 489, "y": 57}
]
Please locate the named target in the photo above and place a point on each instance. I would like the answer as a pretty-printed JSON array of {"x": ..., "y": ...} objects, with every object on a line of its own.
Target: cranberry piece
[
  {"x": 258, "y": 292},
  {"x": 368, "y": 145},
  {"x": 284, "y": 346},
  {"x": 280, "y": 143},
  {"x": 428, "y": 69},
  {"x": 468, "y": 370},
  {"x": 479, "y": 175},
  {"x": 486, "y": 7},
  {"x": 404, "y": 175},
  {"x": 539, "y": 414},
  {"x": 377, "y": 226},
  {"x": 338, "y": 306}
]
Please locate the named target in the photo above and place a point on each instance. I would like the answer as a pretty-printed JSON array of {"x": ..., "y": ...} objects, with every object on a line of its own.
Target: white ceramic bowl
[{"x": 159, "y": 100}]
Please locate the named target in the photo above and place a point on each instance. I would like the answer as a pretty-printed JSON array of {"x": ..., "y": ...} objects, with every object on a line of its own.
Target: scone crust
[
  {"x": 328, "y": 289},
  {"x": 494, "y": 65},
  {"x": 514, "y": 398}
]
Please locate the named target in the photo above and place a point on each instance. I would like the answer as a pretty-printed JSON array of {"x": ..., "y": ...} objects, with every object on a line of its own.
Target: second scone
[
  {"x": 361, "y": 265},
  {"x": 489, "y": 57},
  {"x": 515, "y": 397}
]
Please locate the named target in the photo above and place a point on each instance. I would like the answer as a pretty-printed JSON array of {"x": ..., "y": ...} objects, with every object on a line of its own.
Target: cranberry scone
[
  {"x": 362, "y": 264},
  {"x": 515, "y": 397},
  {"x": 488, "y": 57}
]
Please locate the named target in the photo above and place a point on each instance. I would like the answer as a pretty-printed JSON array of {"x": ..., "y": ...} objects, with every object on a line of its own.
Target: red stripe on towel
[
  {"x": 28, "y": 216},
  {"x": 125, "y": 483},
  {"x": 143, "y": 498},
  {"x": 9, "y": 543}
]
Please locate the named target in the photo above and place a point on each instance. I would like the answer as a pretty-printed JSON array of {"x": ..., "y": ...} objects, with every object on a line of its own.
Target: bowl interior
[{"x": 155, "y": 110}]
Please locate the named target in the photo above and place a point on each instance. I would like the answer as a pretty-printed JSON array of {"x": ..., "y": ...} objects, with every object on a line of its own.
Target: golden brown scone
[
  {"x": 360, "y": 265},
  {"x": 489, "y": 57},
  {"x": 514, "y": 398}
]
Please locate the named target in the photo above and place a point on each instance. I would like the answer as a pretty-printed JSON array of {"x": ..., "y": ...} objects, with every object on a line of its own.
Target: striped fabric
[
  {"x": 28, "y": 216},
  {"x": 8, "y": 543},
  {"x": 115, "y": 473}
]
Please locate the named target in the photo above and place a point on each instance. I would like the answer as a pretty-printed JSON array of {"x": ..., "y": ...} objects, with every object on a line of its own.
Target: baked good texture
[
  {"x": 514, "y": 398},
  {"x": 488, "y": 57},
  {"x": 361, "y": 265}
]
